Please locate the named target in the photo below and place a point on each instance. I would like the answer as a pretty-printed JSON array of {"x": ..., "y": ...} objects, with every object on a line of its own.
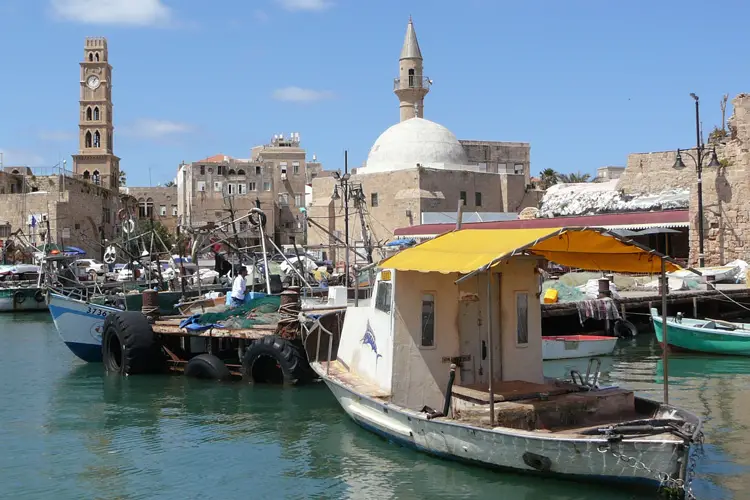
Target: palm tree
[
  {"x": 548, "y": 177},
  {"x": 170, "y": 184},
  {"x": 574, "y": 177},
  {"x": 123, "y": 178}
]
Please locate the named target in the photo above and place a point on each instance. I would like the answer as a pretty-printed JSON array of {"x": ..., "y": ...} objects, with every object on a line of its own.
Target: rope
[{"x": 730, "y": 299}]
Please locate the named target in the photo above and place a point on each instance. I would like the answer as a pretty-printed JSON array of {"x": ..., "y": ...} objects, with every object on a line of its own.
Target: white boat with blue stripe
[{"x": 80, "y": 324}]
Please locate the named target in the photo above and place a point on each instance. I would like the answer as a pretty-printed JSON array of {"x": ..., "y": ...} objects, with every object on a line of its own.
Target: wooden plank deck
[
  {"x": 341, "y": 373},
  {"x": 172, "y": 327}
]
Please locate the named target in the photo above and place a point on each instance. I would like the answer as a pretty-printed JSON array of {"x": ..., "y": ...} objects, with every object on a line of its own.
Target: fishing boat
[
  {"x": 703, "y": 335},
  {"x": 577, "y": 346},
  {"x": 20, "y": 288},
  {"x": 80, "y": 325},
  {"x": 423, "y": 365}
]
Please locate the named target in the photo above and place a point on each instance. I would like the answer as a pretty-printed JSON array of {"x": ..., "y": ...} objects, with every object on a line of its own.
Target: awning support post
[
  {"x": 490, "y": 361},
  {"x": 665, "y": 349}
]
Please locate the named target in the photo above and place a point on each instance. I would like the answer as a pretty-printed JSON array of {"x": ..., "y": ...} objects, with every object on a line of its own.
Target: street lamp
[{"x": 698, "y": 160}]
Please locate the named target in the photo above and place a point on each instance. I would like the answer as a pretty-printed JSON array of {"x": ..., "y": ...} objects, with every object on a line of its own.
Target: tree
[
  {"x": 123, "y": 178},
  {"x": 548, "y": 177},
  {"x": 170, "y": 184},
  {"x": 159, "y": 228},
  {"x": 573, "y": 177}
]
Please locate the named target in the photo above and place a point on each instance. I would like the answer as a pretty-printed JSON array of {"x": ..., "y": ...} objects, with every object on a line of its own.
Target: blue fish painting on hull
[{"x": 369, "y": 339}]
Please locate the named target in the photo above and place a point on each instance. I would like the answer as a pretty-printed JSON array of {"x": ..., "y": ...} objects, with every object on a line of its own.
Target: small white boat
[
  {"x": 577, "y": 346},
  {"x": 80, "y": 325},
  {"x": 20, "y": 288},
  {"x": 447, "y": 359}
]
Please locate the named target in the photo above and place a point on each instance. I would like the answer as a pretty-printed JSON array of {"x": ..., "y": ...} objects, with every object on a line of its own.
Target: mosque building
[{"x": 416, "y": 172}]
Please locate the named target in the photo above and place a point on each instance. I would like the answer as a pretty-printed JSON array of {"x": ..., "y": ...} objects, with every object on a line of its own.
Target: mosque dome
[{"x": 416, "y": 141}]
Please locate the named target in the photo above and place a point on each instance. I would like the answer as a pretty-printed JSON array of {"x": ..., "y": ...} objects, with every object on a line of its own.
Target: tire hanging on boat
[
  {"x": 129, "y": 346},
  {"x": 40, "y": 296},
  {"x": 624, "y": 328},
  {"x": 276, "y": 361},
  {"x": 207, "y": 366},
  {"x": 19, "y": 297}
]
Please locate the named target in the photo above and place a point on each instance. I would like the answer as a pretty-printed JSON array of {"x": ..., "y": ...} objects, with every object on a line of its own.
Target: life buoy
[
  {"x": 128, "y": 226},
  {"x": 122, "y": 214}
]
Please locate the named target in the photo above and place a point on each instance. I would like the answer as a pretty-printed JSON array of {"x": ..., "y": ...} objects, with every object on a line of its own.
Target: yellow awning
[{"x": 469, "y": 250}]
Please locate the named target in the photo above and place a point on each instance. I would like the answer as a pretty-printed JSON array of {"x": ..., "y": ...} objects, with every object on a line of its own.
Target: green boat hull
[{"x": 690, "y": 336}]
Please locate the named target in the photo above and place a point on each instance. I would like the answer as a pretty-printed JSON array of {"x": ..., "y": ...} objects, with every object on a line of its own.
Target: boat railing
[{"x": 311, "y": 323}]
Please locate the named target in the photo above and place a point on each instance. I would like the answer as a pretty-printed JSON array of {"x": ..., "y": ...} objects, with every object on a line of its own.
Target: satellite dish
[{"x": 110, "y": 254}]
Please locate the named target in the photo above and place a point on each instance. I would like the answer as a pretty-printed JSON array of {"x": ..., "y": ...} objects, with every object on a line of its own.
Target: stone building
[
  {"x": 726, "y": 189},
  {"x": 159, "y": 203},
  {"x": 418, "y": 166},
  {"x": 274, "y": 178}
]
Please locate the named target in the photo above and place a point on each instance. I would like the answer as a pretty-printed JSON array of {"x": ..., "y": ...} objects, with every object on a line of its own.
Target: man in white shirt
[{"x": 238, "y": 288}]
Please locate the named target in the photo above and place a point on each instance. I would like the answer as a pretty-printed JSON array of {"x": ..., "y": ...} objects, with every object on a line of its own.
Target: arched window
[
  {"x": 240, "y": 172},
  {"x": 97, "y": 139},
  {"x": 88, "y": 113},
  {"x": 88, "y": 139},
  {"x": 96, "y": 113},
  {"x": 411, "y": 78},
  {"x": 91, "y": 57},
  {"x": 15, "y": 172},
  {"x": 231, "y": 171},
  {"x": 149, "y": 208},
  {"x": 96, "y": 57},
  {"x": 96, "y": 178},
  {"x": 86, "y": 175}
]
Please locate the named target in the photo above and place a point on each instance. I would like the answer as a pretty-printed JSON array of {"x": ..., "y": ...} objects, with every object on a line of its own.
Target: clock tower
[{"x": 95, "y": 161}]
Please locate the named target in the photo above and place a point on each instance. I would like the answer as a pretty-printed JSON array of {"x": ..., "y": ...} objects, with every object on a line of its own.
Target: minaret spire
[{"x": 411, "y": 86}]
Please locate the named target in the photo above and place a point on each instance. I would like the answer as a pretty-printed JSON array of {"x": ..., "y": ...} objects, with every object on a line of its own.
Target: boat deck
[
  {"x": 340, "y": 372},
  {"x": 172, "y": 327}
]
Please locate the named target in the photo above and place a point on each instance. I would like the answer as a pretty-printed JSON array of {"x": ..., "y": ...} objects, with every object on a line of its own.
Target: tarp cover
[{"x": 469, "y": 250}]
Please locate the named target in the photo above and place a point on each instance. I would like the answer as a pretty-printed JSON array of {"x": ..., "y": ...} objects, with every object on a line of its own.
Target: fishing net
[
  {"x": 256, "y": 311},
  {"x": 565, "y": 293}
]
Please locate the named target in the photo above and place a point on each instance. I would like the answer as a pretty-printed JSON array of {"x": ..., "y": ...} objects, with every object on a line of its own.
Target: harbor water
[{"x": 69, "y": 431}]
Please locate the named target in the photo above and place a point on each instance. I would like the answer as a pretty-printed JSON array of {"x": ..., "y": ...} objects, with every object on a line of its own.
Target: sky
[{"x": 584, "y": 81}]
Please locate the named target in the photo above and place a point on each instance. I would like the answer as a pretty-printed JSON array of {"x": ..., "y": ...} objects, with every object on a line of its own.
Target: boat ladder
[{"x": 592, "y": 375}]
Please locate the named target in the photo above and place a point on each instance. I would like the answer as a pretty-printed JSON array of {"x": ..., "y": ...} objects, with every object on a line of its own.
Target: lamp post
[
  {"x": 343, "y": 187},
  {"x": 698, "y": 160}
]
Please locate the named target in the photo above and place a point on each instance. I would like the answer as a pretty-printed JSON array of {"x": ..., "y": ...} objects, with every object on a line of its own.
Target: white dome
[{"x": 415, "y": 141}]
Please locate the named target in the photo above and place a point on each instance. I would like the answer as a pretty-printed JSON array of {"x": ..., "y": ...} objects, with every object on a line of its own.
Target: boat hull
[
  {"x": 10, "y": 302},
  {"x": 577, "y": 346},
  {"x": 508, "y": 449},
  {"x": 690, "y": 338},
  {"x": 80, "y": 325}
]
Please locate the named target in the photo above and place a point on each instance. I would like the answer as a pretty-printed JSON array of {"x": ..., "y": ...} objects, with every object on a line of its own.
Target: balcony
[{"x": 412, "y": 82}]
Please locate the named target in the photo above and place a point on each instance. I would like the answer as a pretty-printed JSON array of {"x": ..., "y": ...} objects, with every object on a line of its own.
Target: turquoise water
[{"x": 68, "y": 431}]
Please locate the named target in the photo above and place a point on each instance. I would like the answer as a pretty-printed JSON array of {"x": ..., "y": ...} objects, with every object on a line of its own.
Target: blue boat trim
[{"x": 91, "y": 353}]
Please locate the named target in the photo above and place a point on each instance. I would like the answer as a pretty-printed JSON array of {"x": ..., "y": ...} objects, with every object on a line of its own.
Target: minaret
[{"x": 411, "y": 86}]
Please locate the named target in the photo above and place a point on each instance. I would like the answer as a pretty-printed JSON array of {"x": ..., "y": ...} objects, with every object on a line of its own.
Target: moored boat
[
  {"x": 20, "y": 288},
  {"x": 80, "y": 325},
  {"x": 577, "y": 346},
  {"x": 703, "y": 335},
  {"x": 413, "y": 365}
]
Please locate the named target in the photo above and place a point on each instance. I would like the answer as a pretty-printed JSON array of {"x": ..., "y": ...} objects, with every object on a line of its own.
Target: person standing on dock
[{"x": 238, "y": 288}]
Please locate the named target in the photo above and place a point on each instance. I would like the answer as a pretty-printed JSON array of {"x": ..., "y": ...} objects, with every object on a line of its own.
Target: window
[
  {"x": 217, "y": 187},
  {"x": 240, "y": 172},
  {"x": 232, "y": 172},
  {"x": 295, "y": 167},
  {"x": 97, "y": 139},
  {"x": 96, "y": 178},
  {"x": 96, "y": 113},
  {"x": 428, "y": 320},
  {"x": 257, "y": 170},
  {"x": 149, "y": 208},
  {"x": 266, "y": 185},
  {"x": 88, "y": 139},
  {"x": 174, "y": 210},
  {"x": 96, "y": 56},
  {"x": 141, "y": 208},
  {"x": 411, "y": 78},
  {"x": 5, "y": 231},
  {"x": 241, "y": 188},
  {"x": 86, "y": 175},
  {"x": 230, "y": 188},
  {"x": 210, "y": 170},
  {"x": 374, "y": 199},
  {"x": 283, "y": 199},
  {"x": 478, "y": 199},
  {"x": 383, "y": 297},
  {"x": 463, "y": 197},
  {"x": 91, "y": 57},
  {"x": 163, "y": 210},
  {"x": 518, "y": 168},
  {"x": 203, "y": 170},
  {"x": 251, "y": 186},
  {"x": 220, "y": 170},
  {"x": 522, "y": 318},
  {"x": 202, "y": 186},
  {"x": 283, "y": 169},
  {"x": 88, "y": 113},
  {"x": 297, "y": 200}
]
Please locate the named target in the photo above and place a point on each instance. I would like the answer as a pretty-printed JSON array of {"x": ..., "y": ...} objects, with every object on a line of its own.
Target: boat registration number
[
  {"x": 97, "y": 312},
  {"x": 571, "y": 344}
]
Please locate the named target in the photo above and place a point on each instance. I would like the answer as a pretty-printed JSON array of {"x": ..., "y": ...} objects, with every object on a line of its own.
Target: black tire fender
[
  {"x": 207, "y": 366},
  {"x": 289, "y": 358},
  {"x": 19, "y": 297},
  {"x": 129, "y": 345},
  {"x": 624, "y": 328},
  {"x": 40, "y": 296}
]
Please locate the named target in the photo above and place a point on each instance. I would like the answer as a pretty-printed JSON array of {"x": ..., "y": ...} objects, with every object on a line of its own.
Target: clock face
[{"x": 93, "y": 82}]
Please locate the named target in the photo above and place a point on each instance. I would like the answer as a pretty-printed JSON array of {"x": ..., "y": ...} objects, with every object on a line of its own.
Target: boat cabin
[{"x": 471, "y": 299}]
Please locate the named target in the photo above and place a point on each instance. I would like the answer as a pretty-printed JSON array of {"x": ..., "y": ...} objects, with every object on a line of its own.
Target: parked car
[{"x": 91, "y": 265}]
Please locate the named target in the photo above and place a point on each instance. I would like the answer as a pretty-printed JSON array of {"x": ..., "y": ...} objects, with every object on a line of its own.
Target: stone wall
[
  {"x": 162, "y": 199},
  {"x": 726, "y": 190},
  {"x": 500, "y": 157}
]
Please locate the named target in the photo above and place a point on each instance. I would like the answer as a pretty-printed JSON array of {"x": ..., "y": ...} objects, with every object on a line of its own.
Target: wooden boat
[
  {"x": 704, "y": 335},
  {"x": 20, "y": 288},
  {"x": 423, "y": 365},
  {"x": 577, "y": 346}
]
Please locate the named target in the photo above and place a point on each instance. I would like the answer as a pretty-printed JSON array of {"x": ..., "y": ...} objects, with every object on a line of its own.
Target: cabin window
[
  {"x": 428, "y": 320},
  {"x": 522, "y": 318},
  {"x": 383, "y": 297}
]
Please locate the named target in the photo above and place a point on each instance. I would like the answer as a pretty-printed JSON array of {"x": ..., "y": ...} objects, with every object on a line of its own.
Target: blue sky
[{"x": 585, "y": 82}]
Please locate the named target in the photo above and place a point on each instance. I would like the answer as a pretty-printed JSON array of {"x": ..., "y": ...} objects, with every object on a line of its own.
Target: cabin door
[{"x": 473, "y": 368}]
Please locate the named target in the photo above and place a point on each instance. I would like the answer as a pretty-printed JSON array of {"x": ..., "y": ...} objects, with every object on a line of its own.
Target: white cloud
[
  {"x": 56, "y": 135},
  {"x": 297, "y": 5},
  {"x": 126, "y": 12},
  {"x": 148, "y": 128},
  {"x": 20, "y": 157},
  {"x": 297, "y": 94}
]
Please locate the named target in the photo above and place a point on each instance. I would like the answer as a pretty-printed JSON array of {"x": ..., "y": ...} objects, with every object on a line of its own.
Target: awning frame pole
[
  {"x": 490, "y": 361},
  {"x": 665, "y": 348}
]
